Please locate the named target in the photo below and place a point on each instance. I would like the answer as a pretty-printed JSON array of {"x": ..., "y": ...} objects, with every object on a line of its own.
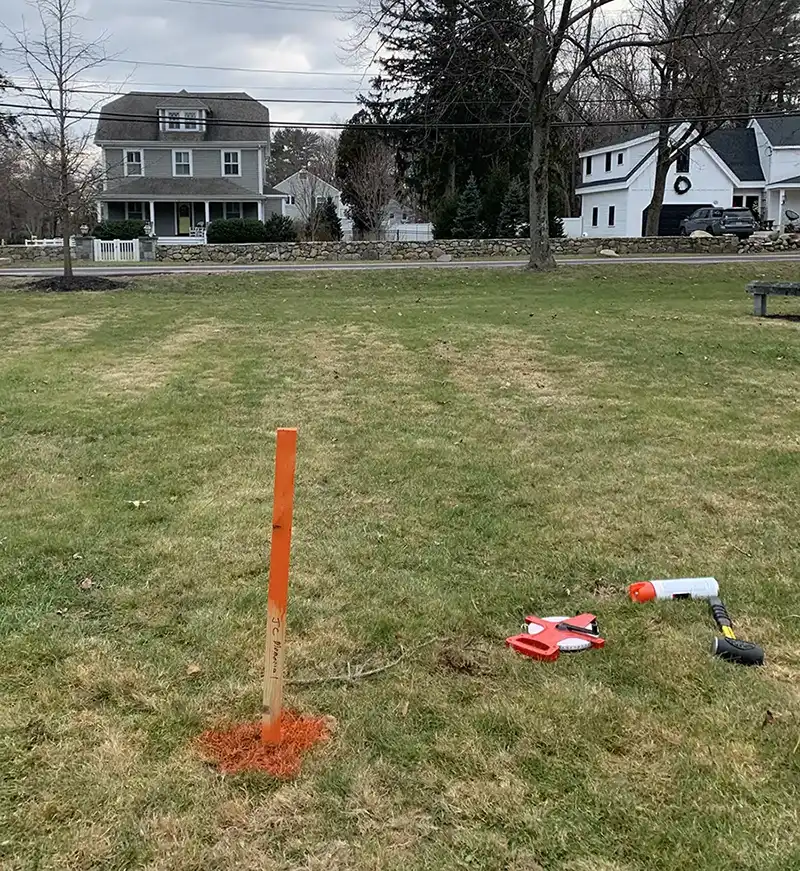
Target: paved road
[{"x": 113, "y": 271}]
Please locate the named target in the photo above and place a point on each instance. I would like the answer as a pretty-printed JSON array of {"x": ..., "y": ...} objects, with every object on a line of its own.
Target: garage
[{"x": 671, "y": 217}]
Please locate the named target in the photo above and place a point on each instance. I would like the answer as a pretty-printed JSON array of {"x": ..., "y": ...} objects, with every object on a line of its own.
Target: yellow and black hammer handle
[{"x": 729, "y": 647}]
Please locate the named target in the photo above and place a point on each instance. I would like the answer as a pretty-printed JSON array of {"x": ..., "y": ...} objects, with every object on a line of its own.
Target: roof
[
  {"x": 181, "y": 100},
  {"x": 134, "y": 117},
  {"x": 286, "y": 187},
  {"x": 140, "y": 188},
  {"x": 781, "y": 131},
  {"x": 794, "y": 180},
  {"x": 738, "y": 150}
]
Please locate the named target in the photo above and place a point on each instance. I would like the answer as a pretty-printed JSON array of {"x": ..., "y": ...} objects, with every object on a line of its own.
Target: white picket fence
[
  {"x": 35, "y": 242},
  {"x": 116, "y": 250}
]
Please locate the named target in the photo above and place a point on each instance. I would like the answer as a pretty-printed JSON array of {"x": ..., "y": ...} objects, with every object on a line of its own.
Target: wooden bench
[{"x": 762, "y": 289}]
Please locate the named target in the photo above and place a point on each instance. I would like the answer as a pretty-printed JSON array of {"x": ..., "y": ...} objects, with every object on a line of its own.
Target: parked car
[{"x": 719, "y": 222}]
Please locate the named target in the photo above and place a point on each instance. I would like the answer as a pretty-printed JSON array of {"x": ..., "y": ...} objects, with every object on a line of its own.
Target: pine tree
[
  {"x": 467, "y": 223},
  {"x": 330, "y": 220},
  {"x": 514, "y": 214}
]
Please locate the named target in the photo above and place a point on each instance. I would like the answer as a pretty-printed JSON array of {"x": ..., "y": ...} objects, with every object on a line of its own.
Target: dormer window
[{"x": 177, "y": 120}]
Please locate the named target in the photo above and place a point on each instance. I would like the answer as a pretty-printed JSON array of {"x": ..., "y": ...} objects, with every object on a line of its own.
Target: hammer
[{"x": 729, "y": 647}]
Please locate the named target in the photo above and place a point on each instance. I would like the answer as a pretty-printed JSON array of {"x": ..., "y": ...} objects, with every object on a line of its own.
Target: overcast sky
[{"x": 298, "y": 36}]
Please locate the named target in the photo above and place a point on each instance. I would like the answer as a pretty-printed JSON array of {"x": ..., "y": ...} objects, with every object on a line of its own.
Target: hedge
[
  {"x": 277, "y": 229},
  {"x": 119, "y": 230}
]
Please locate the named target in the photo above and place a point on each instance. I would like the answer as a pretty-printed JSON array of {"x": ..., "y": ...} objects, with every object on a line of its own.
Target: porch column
[
  {"x": 260, "y": 210},
  {"x": 208, "y": 212},
  {"x": 99, "y": 212},
  {"x": 153, "y": 216},
  {"x": 781, "y": 203}
]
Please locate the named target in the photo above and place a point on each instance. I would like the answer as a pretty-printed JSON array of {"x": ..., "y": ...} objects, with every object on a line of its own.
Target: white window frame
[
  {"x": 175, "y": 153},
  {"x": 610, "y": 215},
  {"x": 620, "y": 158},
  {"x": 290, "y": 200},
  {"x": 192, "y": 120},
  {"x": 238, "y": 154},
  {"x": 128, "y": 213},
  {"x": 125, "y": 153},
  {"x": 237, "y": 217},
  {"x": 595, "y": 216}
]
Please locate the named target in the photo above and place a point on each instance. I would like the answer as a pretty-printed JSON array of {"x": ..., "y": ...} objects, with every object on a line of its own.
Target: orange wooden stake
[{"x": 278, "y": 584}]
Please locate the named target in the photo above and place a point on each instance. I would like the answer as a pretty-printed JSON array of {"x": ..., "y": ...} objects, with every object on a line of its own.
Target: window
[
  {"x": 181, "y": 162},
  {"x": 738, "y": 202},
  {"x": 231, "y": 163},
  {"x": 133, "y": 163},
  {"x": 608, "y": 161},
  {"x": 612, "y": 215},
  {"x": 290, "y": 201},
  {"x": 620, "y": 158},
  {"x": 134, "y": 211},
  {"x": 182, "y": 119},
  {"x": 595, "y": 216},
  {"x": 233, "y": 211},
  {"x": 588, "y": 166},
  {"x": 682, "y": 160}
]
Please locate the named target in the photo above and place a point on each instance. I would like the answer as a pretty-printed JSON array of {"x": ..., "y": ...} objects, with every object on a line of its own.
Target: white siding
[
  {"x": 764, "y": 149},
  {"x": 601, "y": 201},
  {"x": 785, "y": 163}
]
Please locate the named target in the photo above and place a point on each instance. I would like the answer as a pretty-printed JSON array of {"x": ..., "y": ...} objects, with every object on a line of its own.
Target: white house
[
  {"x": 303, "y": 192},
  {"x": 755, "y": 167}
]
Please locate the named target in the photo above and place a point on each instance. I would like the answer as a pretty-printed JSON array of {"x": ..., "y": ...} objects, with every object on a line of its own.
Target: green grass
[{"x": 474, "y": 446}]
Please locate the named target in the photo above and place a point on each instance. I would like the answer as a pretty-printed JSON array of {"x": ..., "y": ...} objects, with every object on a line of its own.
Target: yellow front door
[{"x": 184, "y": 219}]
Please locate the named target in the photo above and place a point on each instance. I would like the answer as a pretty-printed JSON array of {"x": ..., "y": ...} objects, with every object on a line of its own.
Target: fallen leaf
[
  {"x": 137, "y": 502},
  {"x": 769, "y": 719},
  {"x": 86, "y": 584},
  {"x": 77, "y": 556},
  {"x": 193, "y": 668}
]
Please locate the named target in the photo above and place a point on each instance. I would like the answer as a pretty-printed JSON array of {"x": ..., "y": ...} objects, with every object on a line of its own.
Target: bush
[
  {"x": 279, "y": 228},
  {"x": 119, "y": 230},
  {"x": 238, "y": 230}
]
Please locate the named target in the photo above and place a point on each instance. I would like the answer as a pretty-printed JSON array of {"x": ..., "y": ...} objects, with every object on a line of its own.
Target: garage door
[{"x": 671, "y": 217}]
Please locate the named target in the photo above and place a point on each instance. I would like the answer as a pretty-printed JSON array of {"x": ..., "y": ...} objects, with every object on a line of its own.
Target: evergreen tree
[
  {"x": 329, "y": 223},
  {"x": 514, "y": 214},
  {"x": 493, "y": 191},
  {"x": 467, "y": 223},
  {"x": 444, "y": 216}
]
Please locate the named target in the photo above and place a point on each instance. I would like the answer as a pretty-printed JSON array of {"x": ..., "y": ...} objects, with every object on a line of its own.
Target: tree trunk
[
  {"x": 663, "y": 163},
  {"x": 541, "y": 257}
]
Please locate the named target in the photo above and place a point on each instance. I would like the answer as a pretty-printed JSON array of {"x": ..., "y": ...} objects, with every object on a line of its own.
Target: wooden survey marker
[{"x": 278, "y": 584}]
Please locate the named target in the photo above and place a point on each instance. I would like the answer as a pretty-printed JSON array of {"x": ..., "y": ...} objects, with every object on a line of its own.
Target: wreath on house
[{"x": 682, "y": 185}]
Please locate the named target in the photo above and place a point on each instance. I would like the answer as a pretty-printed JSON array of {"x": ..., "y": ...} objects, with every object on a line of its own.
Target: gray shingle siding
[{"x": 206, "y": 164}]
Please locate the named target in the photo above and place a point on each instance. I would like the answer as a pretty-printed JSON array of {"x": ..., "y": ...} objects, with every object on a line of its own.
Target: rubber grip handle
[{"x": 719, "y": 612}]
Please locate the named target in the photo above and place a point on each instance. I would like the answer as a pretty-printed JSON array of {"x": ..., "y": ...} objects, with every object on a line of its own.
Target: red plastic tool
[{"x": 552, "y": 637}]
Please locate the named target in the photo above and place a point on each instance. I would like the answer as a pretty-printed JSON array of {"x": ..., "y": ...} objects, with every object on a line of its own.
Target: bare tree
[
  {"x": 323, "y": 163},
  {"x": 543, "y": 47},
  {"x": 56, "y": 133},
  {"x": 370, "y": 184},
  {"x": 308, "y": 191}
]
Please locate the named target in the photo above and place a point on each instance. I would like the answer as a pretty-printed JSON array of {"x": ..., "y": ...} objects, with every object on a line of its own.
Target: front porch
[
  {"x": 179, "y": 217},
  {"x": 778, "y": 200}
]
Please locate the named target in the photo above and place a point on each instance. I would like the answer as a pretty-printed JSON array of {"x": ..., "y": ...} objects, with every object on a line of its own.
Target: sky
[{"x": 303, "y": 39}]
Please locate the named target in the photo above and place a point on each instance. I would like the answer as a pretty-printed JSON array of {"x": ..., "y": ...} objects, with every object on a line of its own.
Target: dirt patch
[{"x": 59, "y": 284}]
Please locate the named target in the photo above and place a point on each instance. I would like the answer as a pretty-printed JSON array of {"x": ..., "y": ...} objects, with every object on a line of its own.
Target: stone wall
[
  {"x": 441, "y": 250},
  {"x": 33, "y": 254},
  {"x": 776, "y": 243}
]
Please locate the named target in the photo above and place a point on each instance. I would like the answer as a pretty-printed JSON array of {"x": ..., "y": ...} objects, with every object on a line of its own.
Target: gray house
[{"x": 183, "y": 160}]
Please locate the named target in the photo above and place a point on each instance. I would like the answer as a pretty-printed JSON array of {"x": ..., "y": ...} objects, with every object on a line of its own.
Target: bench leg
[{"x": 760, "y": 305}]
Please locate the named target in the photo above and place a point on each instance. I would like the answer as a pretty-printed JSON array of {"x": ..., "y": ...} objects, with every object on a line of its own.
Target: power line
[
  {"x": 40, "y": 112},
  {"x": 269, "y": 5},
  {"x": 223, "y": 98},
  {"x": 152, "y": 63}
]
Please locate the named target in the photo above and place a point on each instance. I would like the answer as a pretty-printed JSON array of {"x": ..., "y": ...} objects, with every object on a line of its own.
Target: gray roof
[
  {"x": 737, "y": 148},
  {"x": 782, "y": 131},
  {"x": 232, "y": 117},
  {"x": 141, "y": 188},
  {"x": 181, "y": 100}
]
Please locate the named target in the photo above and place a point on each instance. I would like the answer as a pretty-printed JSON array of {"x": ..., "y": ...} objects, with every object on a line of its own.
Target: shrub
[
  {"x": 227, "y": 232},
  {"x": 119, "y": 230},
  {"x": 279, "y": 228}
]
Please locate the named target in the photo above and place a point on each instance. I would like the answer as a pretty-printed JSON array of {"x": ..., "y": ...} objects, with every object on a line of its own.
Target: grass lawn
[{"x": 474, "y": 446}]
